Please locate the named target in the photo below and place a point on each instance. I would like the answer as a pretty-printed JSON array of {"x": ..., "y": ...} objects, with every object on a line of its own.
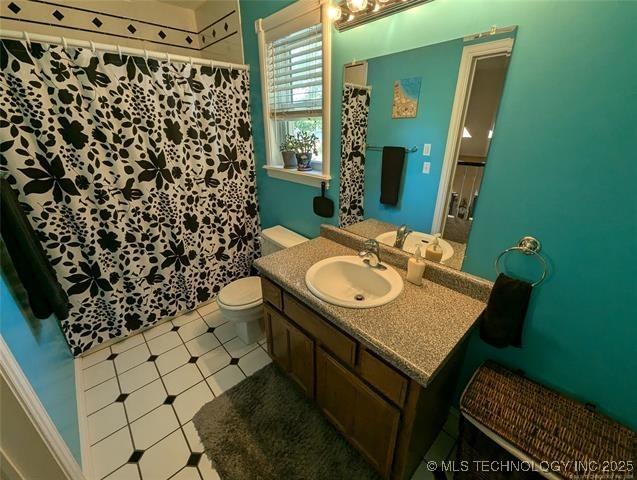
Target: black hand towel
[
  {"x": 46, "y": 296},
  {"x": 502, "y": 320},
  {"x": 391, "y": 174}
]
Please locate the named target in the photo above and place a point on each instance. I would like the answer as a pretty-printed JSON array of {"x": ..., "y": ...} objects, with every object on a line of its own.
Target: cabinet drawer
[
  {"x": 271, "y": 293},
  {"x": 342, "y": 346},
  {"x": 382, "y": 376}
]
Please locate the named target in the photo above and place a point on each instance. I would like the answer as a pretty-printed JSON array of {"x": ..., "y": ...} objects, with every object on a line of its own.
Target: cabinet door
[
  {"x": 368, "y": 421},
  {"x": 335, "y": 391},
  {"x": 278, "y": 343},
  {"x": 375, "y": 428},
  {"x": 301, "y": 359},
  {"x": 291, "y": 349}
]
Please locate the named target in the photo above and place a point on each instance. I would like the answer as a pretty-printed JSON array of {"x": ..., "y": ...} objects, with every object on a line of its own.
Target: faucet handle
[{"x": 371, "y": 244}]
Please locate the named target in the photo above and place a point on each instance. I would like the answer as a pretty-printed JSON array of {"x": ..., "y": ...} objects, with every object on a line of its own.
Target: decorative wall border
[
  {"x": 210, "y": 32},
  {"x": 190, "y": 39}
]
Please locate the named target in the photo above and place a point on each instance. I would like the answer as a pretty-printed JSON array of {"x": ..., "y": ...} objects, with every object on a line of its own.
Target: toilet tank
[{"x": 278, "y": 238}]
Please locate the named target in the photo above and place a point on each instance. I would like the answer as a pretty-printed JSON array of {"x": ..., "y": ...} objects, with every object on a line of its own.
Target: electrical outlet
[
  {"x": 426, "y": 150},
  {"x": 426, "y": 167}
]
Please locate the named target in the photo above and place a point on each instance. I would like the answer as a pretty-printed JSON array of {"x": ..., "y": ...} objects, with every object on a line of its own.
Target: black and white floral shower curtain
[
  {"x": 137, "y": 175},
  {"x": 355, "y": 110}
]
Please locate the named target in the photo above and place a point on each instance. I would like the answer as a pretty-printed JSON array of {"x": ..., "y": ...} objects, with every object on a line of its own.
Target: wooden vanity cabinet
[{"x": 390, "y": 419}]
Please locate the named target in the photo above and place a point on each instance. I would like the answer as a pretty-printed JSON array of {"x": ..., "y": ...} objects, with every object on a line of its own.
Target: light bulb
[
  {"x": 356, "y": 5},
  {"x": 334, "y": 12}
]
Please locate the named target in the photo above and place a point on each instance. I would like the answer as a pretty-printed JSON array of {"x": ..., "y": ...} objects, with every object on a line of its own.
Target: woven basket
[
  {"x": 474, "y": 447},
  {"x": 549, "y": 427}
]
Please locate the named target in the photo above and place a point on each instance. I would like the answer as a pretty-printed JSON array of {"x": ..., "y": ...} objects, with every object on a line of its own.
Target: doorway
[{"x": 481, "y": 79}]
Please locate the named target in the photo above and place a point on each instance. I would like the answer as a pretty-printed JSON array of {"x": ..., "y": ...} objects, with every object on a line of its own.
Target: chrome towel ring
[{"x": 528, "y": 246}]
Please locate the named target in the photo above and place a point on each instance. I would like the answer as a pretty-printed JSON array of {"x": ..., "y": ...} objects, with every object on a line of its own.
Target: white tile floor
[{"x": 142, "y": 393}]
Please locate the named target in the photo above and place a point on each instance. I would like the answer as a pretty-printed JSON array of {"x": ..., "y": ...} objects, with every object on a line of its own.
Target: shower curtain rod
[{"x": 118, "y": 49}]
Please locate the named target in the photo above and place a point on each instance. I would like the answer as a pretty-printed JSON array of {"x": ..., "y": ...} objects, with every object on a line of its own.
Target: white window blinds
[{"x": 295, "y": 74}]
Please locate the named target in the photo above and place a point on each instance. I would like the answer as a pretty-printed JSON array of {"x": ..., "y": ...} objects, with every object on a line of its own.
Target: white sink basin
[
  {"x": 348, "y": 282},
  {"x": 415, "y": 239}
]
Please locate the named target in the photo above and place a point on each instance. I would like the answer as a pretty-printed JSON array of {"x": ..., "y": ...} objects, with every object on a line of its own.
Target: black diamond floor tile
[
  {"x": 152, "y": 358},
  {"x": 169, "y": 400},
  {"x": 122, "y": 397},
  {"x": 136, "y": 456},
  {"x": 112, "y": 356},
  {"x": 97, "y": 22},
  {"x": 57, "y": 14},
  {"x": 193, "y": 360},
  {"x": 193, "y": 460},
  {"x": 234, "y": 361}
]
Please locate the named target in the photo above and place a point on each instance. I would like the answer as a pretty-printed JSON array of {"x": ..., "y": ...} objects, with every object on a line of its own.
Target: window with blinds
[
  {"x": 295, "y": 74},
  {"x": 293, "y": 44}
]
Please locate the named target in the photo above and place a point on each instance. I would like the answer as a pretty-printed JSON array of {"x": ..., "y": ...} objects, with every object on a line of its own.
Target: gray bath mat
[{"x": 264, "y": 428}]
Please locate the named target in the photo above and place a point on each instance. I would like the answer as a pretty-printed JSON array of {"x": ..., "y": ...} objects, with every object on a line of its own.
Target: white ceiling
[{"x": 191, "y": 4}]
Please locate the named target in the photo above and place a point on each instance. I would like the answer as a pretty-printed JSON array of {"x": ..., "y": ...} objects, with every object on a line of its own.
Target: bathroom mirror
[{"x": 438, "y": 104}]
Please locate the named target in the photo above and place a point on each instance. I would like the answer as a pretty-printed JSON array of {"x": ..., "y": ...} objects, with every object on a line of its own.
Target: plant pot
[
  {"x": 304, "y": 161},
  {"x": 289, "y": 159}
]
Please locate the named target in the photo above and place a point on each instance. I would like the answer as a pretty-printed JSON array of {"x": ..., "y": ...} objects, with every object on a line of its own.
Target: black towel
[
  {"x": 502, "y": 320},
  {"x": 391, "y": 174},
  {"x": 46, "y": 296}
]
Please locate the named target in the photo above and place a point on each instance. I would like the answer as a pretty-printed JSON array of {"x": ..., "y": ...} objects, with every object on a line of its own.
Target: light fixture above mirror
[
  {"x": 355, "y": 6},
  {"x": 352, "y": 13}
]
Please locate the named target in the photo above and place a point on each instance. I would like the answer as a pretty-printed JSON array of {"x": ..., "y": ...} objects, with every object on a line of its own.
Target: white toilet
[{"x": 241, "y": 301}]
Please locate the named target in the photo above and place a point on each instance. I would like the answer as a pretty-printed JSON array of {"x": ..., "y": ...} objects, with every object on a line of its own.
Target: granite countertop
[
  {"x": 416, "y": 332},
  {"x": 371, "y": 228}
]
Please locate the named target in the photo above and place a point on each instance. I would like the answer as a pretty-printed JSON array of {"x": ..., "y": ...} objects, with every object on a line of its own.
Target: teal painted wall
[
  {"x": 437, "y": 65},
  {"x": 40, "y": 349},
  {"x": 561, "y": 167}
]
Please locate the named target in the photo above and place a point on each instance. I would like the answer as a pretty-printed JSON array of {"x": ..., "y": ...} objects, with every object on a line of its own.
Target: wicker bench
[{"x": 530, "y": 431}]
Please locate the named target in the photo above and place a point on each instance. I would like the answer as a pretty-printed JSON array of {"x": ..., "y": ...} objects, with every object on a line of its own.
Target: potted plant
[
  {"x": 305, "y": 147},
  {"x": 288, "y": 151}
]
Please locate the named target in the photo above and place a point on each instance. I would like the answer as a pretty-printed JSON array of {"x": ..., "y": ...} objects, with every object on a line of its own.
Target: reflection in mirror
[
  {"x": 442, "y": 99},
  {"x": 477, "y": 132}
]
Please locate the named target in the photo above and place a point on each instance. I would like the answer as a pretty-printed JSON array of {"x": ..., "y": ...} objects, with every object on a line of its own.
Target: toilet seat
[{"x": 241, "y": 294}]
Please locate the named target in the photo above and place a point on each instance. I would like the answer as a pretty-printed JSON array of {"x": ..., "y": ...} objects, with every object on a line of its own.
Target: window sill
[{"x": 312, "y": 178}]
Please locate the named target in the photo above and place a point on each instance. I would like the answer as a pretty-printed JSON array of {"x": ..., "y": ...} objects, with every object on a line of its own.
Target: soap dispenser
[
  {"x": 416, "y": 268},
  {"x": 434, "y": 250}
]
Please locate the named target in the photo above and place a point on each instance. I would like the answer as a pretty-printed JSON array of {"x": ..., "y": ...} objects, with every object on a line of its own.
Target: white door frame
[
  {"x": 470, "y": 54},
  {"x": 35, "y": 411}
]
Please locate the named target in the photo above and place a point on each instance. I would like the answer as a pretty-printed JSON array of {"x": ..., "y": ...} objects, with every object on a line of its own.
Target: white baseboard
[
  {"x": 35, "y": 411},
  {"x": 8, "y": 469},
  {"x": 82, "y": 419}
]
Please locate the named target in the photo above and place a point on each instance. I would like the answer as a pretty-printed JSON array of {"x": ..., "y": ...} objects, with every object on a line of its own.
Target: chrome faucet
[
  {"x": 401, "y": 236},
  {"x": 371, "y": 254}
]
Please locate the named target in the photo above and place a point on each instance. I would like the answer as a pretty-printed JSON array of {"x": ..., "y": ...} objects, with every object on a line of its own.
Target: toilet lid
[{"x": 241, "y": 292}]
